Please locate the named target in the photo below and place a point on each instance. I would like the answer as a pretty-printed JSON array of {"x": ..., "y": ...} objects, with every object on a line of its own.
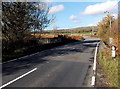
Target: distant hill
[
  {"x": 85, "y": 28},
  {"x": 74, "y": 30}
]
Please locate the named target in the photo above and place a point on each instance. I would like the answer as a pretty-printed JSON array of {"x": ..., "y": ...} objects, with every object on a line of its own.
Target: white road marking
[
  {"x": 95, "y": 57},
  {"x": 94, "y": 66},
  {"x": 18, "y": 78},
  {"x": 8, "y": 61},
  {"x": 19, "y": 58},
  {"x": 93, "y": 81}
]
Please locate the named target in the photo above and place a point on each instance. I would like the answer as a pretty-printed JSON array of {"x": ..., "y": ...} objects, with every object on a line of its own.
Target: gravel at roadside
[{"x": 101, "y": 80}]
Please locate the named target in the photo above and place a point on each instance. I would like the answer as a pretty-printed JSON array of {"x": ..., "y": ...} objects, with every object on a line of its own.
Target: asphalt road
[{"x": 64, "y": 66}]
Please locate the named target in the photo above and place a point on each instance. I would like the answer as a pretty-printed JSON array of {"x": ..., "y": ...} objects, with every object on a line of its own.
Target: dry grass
[
  {"x": 94, "y": 36},
  {"x": 44, "y": 35},
  {"x": 74, "y": 37}
]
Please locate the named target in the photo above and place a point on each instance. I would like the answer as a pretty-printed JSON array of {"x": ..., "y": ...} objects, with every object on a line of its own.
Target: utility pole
[
  {"x": 110, "y": 21},
  {"x": 110, "y": 38}
]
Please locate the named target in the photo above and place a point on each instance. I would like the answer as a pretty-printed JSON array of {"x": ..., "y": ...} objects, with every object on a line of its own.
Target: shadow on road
[
  {"x": 91, "y": 41},
  {"x": 32, "y": 61},
  {"x": 13, "y": 67}
]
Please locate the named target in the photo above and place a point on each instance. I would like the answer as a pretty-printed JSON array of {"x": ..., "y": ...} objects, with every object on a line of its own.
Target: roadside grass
[{"x": 110, "y": 68}]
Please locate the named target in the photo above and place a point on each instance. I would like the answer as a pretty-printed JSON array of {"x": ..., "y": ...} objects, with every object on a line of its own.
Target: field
[{"x": 71, "y": 36}]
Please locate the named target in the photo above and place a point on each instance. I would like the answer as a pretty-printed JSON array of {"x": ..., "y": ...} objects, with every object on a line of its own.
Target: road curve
[{"x": 63, "y": 66}]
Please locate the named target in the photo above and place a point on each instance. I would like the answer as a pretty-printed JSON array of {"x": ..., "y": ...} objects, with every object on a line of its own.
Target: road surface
[{"x": 63, "y": 66}]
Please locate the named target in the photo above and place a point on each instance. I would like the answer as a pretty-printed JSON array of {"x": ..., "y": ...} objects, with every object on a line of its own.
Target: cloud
[
  {"x": 76, "y": 21},
  {"x": 100, "y": 8},
  {"x": 115, "y": 15},
  {"x": 72, "y": 17},
  {"x": 90, "y": 25},
  {"x": 56, "y": 9}
]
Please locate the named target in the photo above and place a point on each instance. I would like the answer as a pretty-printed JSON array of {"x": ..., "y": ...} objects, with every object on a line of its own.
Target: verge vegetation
[
  {"x": 110, "y": 68},
  {"x": 105, "y": 32},
  {"x": 108, "y": 28}
]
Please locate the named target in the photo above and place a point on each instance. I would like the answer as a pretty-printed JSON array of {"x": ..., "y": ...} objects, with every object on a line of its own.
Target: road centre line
[{"x": 18, "y": 78}]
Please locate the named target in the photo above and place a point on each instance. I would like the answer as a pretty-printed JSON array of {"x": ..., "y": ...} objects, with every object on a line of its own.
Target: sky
[{"x": 80, "y": 14}]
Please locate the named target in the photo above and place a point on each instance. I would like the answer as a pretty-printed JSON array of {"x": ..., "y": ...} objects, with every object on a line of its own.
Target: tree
[
  {"x": 16, "y": 19},
  {"x": 104, "y": 28},
  {"x": 41, "y": 18},
  {"x": 19, "y": 18}
]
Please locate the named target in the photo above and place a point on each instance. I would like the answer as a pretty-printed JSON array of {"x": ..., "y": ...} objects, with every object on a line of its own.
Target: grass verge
[{"x": 110, "y": 68}]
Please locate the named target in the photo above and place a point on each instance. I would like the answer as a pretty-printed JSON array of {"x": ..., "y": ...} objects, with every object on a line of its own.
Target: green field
[{"x": 81, "y": 33}]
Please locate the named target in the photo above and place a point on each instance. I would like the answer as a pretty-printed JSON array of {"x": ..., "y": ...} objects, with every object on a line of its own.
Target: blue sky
[{"x": 80, "y": 14}]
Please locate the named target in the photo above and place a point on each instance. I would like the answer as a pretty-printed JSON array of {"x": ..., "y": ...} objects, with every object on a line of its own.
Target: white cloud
[
  {"x": 72, "y": 17},
  {"x": 100, "y": 8},
  {"x": 115, "y": 15},
  {"x": 56, "y": 9},
  {"x": 90, "y": 25},
  {"x": 76, "y": 21}
]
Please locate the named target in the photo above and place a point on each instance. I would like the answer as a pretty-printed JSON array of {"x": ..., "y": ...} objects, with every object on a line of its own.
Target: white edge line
[
  {"x": 94, "y": 66},
  {"x": 20, "y": 58},
  {"x": 18, "y": 78},
  {"x": 95, "y": 56},
  {"x": 93, "y": 81}
]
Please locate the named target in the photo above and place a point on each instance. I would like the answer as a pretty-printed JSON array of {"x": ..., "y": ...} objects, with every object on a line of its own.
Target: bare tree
[{"x": 41, "y": 17}]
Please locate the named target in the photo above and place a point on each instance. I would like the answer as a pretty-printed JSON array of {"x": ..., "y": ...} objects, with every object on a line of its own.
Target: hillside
[{"x": 74, "y": 30}]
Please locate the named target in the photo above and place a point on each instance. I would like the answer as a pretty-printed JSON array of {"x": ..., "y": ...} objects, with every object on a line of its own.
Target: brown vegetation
[
  {"x": 73, "y": 37},
  {"x": 105, "y": 32},
  {"x": 44, "y": 36}
]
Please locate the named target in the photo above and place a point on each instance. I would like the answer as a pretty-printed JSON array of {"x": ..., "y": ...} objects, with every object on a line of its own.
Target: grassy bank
[{"x": 110, "y": 68}]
